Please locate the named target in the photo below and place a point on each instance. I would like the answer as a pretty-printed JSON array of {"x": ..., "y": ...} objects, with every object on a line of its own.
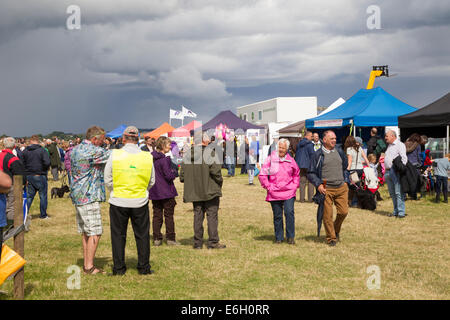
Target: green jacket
[
  {"x": 202, "y": 181},
  {"x": 55, "y": 158}
]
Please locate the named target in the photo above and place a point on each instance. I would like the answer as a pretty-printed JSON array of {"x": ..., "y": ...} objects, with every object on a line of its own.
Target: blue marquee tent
[
  {"x": 366, "y": 108},
  {"x": 117, "y": 132}
]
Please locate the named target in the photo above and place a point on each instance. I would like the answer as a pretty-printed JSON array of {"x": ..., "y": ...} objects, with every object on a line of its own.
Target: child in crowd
[
  {"x": 381, "y": 169},
  {"x": 373, "y": 163},
  {"x": 441, "y": 168},
  {"x": 371, "y": 174}
]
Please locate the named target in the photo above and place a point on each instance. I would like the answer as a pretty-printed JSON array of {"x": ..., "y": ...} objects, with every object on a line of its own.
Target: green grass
[{"x": 413, "y": 254}]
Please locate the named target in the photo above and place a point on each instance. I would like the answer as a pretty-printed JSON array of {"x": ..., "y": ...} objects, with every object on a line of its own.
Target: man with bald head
[
  {"x": 328, "y": 173},
  {"x": 395, "y": 149}
]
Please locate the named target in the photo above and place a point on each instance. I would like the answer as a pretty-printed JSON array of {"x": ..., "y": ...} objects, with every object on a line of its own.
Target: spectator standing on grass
[
  {"x": 244, "y": 150},
  {"x": 129, "y": 174},
  {"x": 203, "y": 187},
  {"x": 163, "y": 193},
  {"x": 316, "y": 141},
  {"x": 441, "y": 168},
  {"x": 149, "y": 144},
  {"x": 303, "y": 155},
  {"x": 376, "y": 145},
  {"x": 67, "y": 163},
  {"x": 87, "y": 163},
  {"x": 5, "y": 186},
  {"x": 328, "y": 172},
  {"x": 372, "y": 143},
  {"x": 252, "y": 159},
  {"x": 413, "y": 149},
  {"x": 280, "y": 176},
  {"x": 395, "y": 149},
  {"x": 37, "y": 162},
  {"x": 356, "y": 157},
  {"x": 55, "y": 157},
  {"x": 13, "y": 166}
]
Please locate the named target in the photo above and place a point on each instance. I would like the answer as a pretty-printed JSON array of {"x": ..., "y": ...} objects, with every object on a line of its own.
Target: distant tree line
[{"x": 59, "y": 134}]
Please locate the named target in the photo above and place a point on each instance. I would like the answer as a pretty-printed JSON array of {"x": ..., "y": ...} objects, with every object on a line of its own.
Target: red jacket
[{"x": 11, "y": 164}]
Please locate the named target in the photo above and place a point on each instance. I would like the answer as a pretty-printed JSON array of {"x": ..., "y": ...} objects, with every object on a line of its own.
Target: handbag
[{"x": 354, "y": 178}]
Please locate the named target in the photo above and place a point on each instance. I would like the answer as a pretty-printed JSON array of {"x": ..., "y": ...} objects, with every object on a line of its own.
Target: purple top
[{"x": 164, "y": 187}]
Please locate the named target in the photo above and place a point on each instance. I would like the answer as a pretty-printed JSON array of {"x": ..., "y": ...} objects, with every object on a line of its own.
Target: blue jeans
[
  {"x": 229, "y": 162},
  {"x": 277, "y": 208},
  {"x": 395, "y": 192},
  {"x": 441, "y": 184},
  {"x": 37, "y": 183}
]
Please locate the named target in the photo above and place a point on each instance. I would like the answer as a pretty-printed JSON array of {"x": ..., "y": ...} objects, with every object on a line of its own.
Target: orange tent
[{"x": 162, "y": 129}]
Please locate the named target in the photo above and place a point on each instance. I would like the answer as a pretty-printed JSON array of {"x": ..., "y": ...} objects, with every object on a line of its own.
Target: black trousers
[{"x": 140, "y": 221}]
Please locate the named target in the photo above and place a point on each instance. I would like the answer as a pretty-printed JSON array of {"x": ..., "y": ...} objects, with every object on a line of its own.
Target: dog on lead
[
  {"x": 59, "y": 192},
  {"x": 366, "y": 199}
]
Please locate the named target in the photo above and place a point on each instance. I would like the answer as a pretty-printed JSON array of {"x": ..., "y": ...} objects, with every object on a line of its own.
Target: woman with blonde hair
[{"x": 163, "y": 193}]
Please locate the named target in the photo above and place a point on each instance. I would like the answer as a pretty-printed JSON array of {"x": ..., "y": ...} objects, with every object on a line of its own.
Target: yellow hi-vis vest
[{"x": 131, "y": 173}]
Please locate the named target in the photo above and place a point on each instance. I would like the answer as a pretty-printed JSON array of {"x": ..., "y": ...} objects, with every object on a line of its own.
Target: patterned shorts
[{"x": 89, "y": 219}]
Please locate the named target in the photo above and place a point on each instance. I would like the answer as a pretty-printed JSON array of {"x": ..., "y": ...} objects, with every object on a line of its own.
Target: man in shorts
[{"x": 87, "y": 186}]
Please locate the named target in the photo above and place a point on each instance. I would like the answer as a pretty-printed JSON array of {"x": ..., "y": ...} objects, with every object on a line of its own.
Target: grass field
[{"x": 413, "y": 254}]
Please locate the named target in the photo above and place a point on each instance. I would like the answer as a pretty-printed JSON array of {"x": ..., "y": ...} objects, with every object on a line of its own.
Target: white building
[
  {"x": 278, "y": 112},
  {"x": 285, "y": 109}
]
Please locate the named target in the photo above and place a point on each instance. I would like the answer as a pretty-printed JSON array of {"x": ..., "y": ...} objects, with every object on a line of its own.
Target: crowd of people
[{"x": 135, "y": 173}]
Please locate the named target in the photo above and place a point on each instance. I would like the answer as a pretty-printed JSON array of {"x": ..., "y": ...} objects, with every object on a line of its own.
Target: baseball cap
[{"x": 131, "y": 131}]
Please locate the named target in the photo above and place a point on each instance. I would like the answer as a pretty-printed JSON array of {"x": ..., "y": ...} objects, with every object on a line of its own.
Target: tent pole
[
  {"x": 354, "y": 132},
  {"x": 446, "y": 141}
]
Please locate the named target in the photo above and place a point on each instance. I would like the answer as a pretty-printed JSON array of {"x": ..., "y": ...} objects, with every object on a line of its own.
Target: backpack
[{"x": 380, "y": 148}]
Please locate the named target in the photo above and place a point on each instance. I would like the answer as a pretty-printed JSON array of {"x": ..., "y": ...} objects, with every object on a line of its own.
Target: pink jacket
[{"x": 281, "y": 178}]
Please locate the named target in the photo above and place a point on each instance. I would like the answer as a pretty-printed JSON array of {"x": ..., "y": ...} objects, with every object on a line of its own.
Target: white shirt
[
  {"x": 395, "y": 149},
  {"x": 357, "y": 158}
]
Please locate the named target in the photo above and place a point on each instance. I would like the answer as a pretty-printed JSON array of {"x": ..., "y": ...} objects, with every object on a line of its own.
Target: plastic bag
[{"x": 10, "y": 263}]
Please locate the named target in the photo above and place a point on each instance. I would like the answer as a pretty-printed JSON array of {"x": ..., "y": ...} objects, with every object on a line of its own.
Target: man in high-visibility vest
[{"x": 129, "y": 175}]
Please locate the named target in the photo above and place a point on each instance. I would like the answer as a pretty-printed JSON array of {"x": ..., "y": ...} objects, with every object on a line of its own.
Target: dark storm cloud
[{"x": 133, "y": 60}]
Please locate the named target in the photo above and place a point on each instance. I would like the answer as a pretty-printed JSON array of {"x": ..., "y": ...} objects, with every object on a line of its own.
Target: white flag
[
  {"x": 175, "y": 114},
  {"x": 188, "y": 113}
]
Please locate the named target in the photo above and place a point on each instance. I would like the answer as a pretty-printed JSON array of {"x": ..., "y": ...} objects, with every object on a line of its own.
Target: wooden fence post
[{"x": 19, "y": 285}]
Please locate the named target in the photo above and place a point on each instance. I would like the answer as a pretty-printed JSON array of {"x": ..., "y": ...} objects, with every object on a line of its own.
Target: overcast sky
[{"x": 132, "y": 60}]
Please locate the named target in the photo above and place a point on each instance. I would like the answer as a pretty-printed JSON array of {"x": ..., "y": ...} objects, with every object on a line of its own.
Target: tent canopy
[
  {"x": 231, "y": 120},
  {"x": 431, "y": 120},
  {"x": 117, "y": 132},
  {"x": 366, "y": 108},
  {"x": 293, "y": 127},
  {"x": 185, "y": 131},
  {"x": 436, "y": 113},
  {"x": 298, "y": 126},
  {"x": 333, "y": 106},
  {"x": 162, "y": 129}
]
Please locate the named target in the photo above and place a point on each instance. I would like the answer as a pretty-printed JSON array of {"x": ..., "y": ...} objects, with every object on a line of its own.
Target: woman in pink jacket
[{"x": 280, "y": 177}]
